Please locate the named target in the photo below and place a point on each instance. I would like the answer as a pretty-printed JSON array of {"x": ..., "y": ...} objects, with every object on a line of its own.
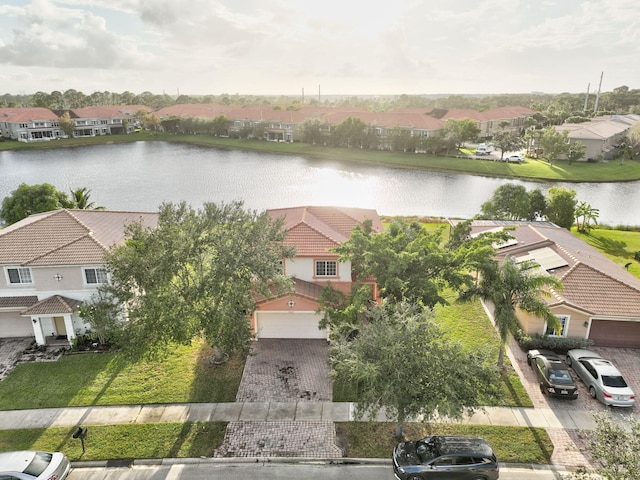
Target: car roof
[
  {"x": 16, "y": 461},
  {"x": 581, "y": 353},
  {"x": 604, "y": 367},
  {"x": 447, "y": 445},
  {"x": 548, "y": 354}
]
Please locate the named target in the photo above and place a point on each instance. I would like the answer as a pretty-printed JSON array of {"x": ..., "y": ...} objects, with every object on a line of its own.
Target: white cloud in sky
[{"x": 346, "y": 46}]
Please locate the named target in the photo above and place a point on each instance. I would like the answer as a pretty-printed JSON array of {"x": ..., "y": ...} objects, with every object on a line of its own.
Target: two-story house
[
  {"x": 52, "y": 262},
  {"x": 314, "y": 231}
]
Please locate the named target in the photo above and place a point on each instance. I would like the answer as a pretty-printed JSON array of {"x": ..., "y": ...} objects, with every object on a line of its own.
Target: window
[
  {"x": 561, "y": 331},
  {"x": 326, "y": 268},
  {"x": 95, "y": 275},
  {"x": 19, "y": 275}
]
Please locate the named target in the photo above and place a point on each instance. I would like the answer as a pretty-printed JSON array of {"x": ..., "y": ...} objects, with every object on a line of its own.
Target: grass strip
[
  {"x": 511, "y": 444},
  {"x": 114, "y": 442}
]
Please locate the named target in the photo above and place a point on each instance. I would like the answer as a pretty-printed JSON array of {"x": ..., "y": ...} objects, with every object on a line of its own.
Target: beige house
[
  {"x": 52, "y": 262},
  {"x": 603, "y": 136},
  {"x": 600, "y": 299}
]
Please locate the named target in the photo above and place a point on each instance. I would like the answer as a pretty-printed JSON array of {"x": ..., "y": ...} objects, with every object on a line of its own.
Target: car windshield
[
  {"x": 39, "y": 464},
  {"x": 614, "y": 381},
  {"x": 561, "y": 377}
]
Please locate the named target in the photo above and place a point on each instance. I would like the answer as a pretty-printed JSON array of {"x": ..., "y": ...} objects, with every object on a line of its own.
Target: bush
[{"x": 558, "y": 344}]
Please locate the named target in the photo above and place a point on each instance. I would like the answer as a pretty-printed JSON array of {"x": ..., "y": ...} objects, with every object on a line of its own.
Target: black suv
[
  {"x": 445, "y": 457},
  {"x": 553, "y": 374}
]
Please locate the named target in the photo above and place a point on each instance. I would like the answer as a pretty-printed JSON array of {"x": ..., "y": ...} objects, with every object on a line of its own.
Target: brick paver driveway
[{"x": 283, "y": 370}]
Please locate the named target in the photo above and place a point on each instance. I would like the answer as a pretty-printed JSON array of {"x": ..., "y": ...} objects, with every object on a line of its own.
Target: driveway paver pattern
[{"x": 285, "y": 371}]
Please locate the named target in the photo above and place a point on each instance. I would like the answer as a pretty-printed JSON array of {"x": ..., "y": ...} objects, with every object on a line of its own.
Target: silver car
[
  {"x": 602, "y": 378},
  {"x": 34, "y": 465}
]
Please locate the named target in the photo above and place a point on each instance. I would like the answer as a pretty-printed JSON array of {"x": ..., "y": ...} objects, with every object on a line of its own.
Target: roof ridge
[
  {"x": 592, "y": 268},
  {"x": 57, "y": 249},
  {"x": 41, "y": 217}
]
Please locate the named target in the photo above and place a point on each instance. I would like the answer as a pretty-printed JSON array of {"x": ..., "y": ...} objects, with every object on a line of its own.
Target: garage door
[
  {"x": 13, "y": 325},
  {"x": 608, "y": 333},
  {"x": 289, "y": 325}
]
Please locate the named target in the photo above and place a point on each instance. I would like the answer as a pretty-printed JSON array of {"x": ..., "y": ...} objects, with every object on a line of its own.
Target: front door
[{"x": 61, "y": 329}]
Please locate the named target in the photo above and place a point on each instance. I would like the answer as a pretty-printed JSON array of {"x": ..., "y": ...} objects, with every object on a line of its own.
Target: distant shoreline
[{"x": 531, "y": 170}]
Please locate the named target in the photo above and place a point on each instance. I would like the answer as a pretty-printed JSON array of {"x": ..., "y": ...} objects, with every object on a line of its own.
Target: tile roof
[
  {"x": 55, "y": 304},
  {"x": 16, "y": 302},
  {"x": 66, "y": 237},
  {"x": 15, "y": 115},
  {"x": 592, "y": 282},
  {"x": 315, "y": 230}
]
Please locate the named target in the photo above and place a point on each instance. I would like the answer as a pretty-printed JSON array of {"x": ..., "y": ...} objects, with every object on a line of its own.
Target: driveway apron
[{"x": 283, "y": 370}]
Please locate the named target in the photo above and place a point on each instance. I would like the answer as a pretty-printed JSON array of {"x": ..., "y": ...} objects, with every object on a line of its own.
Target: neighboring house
[
  {"x": 603, "y": 136},
  {"x": 314, "y": 231},
  {"x": 29, "y": 124},
  {"x": 600, "y": 299},
  {"x": 52, "y": 262},
  {"x": 105, "y": 120}
]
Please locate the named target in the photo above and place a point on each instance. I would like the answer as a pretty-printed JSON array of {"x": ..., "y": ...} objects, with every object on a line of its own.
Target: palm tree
[
  {"x": 512, "y": 285},
  {"x": 585, "y": 214},
  {"x": 80, "y": 199}
]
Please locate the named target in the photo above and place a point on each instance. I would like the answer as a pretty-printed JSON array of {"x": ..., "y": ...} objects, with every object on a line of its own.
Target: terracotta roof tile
[{"x": 55, "y": 304}]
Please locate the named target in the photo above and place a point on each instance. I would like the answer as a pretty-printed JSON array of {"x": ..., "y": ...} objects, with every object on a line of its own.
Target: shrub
[{"x": 557, "y": 344}]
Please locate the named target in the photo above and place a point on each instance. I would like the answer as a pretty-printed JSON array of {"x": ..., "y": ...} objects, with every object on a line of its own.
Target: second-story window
[
  {"x": 326, "y": 268},
  {"x": 95, "y": 276},
  {"x": 19, "y": 275}
]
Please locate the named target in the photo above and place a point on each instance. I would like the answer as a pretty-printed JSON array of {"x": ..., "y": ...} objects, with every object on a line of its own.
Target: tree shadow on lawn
[
  {"x": 616, "y": 248},
  {"x": 216, "y": 383}
]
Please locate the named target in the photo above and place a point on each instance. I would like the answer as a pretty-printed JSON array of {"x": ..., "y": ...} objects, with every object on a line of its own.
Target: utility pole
[
  {"x": 595, "y": 107},
  {"x": 586, "y": 99}
]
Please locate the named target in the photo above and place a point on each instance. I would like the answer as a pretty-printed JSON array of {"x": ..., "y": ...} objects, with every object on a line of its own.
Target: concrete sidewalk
[{"x": 276, "y": 412}]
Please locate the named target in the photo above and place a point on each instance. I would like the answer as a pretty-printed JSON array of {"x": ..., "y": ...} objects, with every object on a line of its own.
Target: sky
[{"x": 329, "y": 47}]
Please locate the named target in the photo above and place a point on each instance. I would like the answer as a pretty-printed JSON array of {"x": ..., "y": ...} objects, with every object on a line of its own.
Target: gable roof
[
  {"x": 55, "y": 304},
  {"x": 592, "y": 282},
  {"x": 66, "y": 237},
  {"x": 315, "y": 230}
]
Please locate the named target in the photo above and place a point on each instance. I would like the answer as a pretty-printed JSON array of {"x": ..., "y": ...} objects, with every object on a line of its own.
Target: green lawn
[
  {"x": 612, "y": 171},
  {"x": 511, "y": 444},
  {"x": 105, "y": 379},
  {"x": 110, "y": 442},
  {"x": 619, "y": 245}
]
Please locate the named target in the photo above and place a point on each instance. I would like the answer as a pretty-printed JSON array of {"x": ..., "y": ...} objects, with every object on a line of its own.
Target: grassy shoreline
[{"x": 531, "y": 170}]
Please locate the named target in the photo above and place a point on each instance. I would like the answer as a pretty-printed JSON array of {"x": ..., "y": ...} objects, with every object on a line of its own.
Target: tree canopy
[
  {"x": 196, "y": 274},
  {"x": 512, "y": 202},
  {"x": 30, "y": 199},
  {"x": 402, "y": 362},
  {"x": 561, "y": 206}
]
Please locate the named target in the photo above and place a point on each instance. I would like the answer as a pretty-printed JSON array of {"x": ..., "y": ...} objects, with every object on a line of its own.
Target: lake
[{"x": 141, "y": 175}]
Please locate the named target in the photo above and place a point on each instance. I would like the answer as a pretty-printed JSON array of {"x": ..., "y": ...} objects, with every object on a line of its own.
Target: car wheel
[
  {"x": 528, "y": 360},
  {"x": 568, "y": 360},
  {"x": 542, "y": 390},
  {"x": 592, "y": 392}
]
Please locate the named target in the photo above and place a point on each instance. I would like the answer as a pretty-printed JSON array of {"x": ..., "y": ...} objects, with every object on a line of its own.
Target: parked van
[{"x": 483, "y": 149}]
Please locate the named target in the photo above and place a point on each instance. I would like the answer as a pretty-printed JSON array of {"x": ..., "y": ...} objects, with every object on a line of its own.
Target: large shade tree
[
  {"x": 513, "y": 202},
  {"x": 197, "y": 274},
  {"x": 402, "y": 362},
  {"x": 561, "y": 206},
  {"x": 509, "y": 286},
  {"x": 30, "y": 199}
]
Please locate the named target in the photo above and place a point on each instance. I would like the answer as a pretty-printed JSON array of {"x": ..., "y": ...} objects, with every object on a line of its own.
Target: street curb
[{"x": 284, "y": 460}]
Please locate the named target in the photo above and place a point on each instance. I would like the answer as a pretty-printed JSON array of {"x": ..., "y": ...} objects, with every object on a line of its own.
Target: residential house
[
  {"x": 29, "y": 124},
  {"x": 105, "y": 120},
  {"x": 603, "y": 136},
  {"x": 314, "y": 231},
  {"x": 600, "y": 299},
  {"x": 51, "y": 263}
]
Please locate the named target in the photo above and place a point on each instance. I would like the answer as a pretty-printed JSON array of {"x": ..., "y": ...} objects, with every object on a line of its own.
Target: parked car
[
  {"x": 483, "y": 149},
  {"x": 602, "y": 378},
  {"x": 514, "y": 159},
  {"x": 34, "y": 465},
  {"x": 445, "y": 457},
  {"x": 553, "y": 374}
]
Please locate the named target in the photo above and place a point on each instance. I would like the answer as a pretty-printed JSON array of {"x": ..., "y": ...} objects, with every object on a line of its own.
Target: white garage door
[
  {"x": 13, "y": 325},
  {"x": 289, "y": 325}
]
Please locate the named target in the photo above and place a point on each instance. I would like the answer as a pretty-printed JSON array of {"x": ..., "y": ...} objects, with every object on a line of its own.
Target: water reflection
[{"x": 141, "y": 175}]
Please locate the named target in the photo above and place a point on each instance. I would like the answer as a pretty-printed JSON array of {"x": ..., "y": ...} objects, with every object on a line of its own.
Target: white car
[
  {"x": 603, "y": 380},
  {"x": 517, "y": 158},
  {"x": 34, "y": 465}
]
